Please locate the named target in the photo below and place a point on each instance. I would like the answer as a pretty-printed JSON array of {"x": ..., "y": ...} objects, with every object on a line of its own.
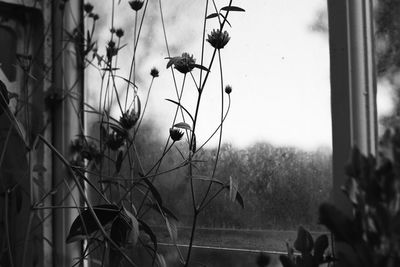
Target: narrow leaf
[
  {"x": 85, "y": 224},
  {"x": 200, "y": 67},
  {"x": 212, "y": 15},
  {"x": 233, "y": 8},
  {"x": 180, "y": 105}
]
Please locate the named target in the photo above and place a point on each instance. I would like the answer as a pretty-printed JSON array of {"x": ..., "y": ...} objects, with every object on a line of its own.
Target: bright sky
[{"x": 278, "y": 68}]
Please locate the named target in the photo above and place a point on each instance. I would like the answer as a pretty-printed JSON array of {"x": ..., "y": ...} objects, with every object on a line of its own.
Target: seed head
[
  {"x": 119, "y": 32},
  {"x": 136, "y": 4},
  {"x": 88, "y": 7},
  {"x": 218, "y": 39},
  {"x": 154, "y": 72},
  {"x": 175, "y": 134},
  {"x": 228, "y": 89},
  {"x": 183, "y": 64}
]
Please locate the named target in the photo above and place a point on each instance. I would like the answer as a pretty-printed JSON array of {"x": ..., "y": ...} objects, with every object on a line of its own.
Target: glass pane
[
  {"x": 387, "y": 49},
  {"x": 276, "y": 138}
]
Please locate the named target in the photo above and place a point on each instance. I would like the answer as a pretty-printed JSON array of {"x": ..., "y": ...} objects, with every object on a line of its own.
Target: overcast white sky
[{"x": 278, "y": 68}]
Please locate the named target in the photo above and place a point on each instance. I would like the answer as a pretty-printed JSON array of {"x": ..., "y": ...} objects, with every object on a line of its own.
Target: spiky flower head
[
  {"x": 154, "y": 72},
  {"x": 218, "y": 39},
  {"x": 183, "y": 64},
  {"x": 136, "y": 4},
  {"x": 88, "y": 7},
  {"x": 175, "y": 134},
  {"x": 128, "y": 119},
  {"x": 228, "y": 89}
]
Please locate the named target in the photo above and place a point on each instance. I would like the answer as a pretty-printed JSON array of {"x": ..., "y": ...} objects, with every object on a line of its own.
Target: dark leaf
[
  {"x": 339, "y": 224},
  {"x": 180, "y": 105},
  {"x": 239, "y": 199},
  {"x": 212, "y": 15},
  {"x": 172, "y": 61},
  {"x": 233, "y": 8},
  {"x": 200, "y": 67},
  {"x": 85, "y": 224},
  {"x": 321, "y": 244},
  {"x": 304, "y": 241}
]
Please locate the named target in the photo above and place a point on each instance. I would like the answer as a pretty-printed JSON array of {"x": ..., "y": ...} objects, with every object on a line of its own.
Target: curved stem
[{"x": 220, "y": 131}]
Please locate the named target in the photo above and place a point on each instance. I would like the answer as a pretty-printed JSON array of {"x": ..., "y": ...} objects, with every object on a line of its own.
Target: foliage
[
  {"x": 372, "y": 233},
  {"x": 312, "y": 253}
]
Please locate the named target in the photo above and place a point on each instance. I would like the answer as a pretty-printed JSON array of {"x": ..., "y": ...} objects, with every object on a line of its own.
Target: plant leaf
[
  {"x": 180, "y": 105},
  {"x": 233, "y": 8},
  {"x": 304, "y": 241},
  {"x": 212, "y": 15},
  {"x": 85, "y": 224},
  {"x": 199, "y": 67}
]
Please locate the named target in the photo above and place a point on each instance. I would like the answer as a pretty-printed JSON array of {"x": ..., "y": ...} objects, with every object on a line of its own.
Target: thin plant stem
[
  {"x": 7, "y": 229},
  {"x": 220, "y": 130}
]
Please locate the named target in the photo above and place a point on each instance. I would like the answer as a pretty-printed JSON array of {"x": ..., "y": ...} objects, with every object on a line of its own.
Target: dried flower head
[
  {"x": 115, "y": 140},
  {"x": 228, "y": 89},
  {"x": 175, "y": 134},
  {"x": 94, "y": 16},
  {"x": 111, "y": 50},
  {"x": 119, "y": 32},
  {"x": 218, "y": 39},
  {"x": 154, "y": 72},
  {"x": 128, "y": 119},
  {"x": 183, "y": 64},
  {"x": 88, "y": 7},
  {"x": 136, "y": 4}
]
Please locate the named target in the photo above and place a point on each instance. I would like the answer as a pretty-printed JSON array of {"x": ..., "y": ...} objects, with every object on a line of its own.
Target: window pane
[{"x": 276, "y": 144}]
